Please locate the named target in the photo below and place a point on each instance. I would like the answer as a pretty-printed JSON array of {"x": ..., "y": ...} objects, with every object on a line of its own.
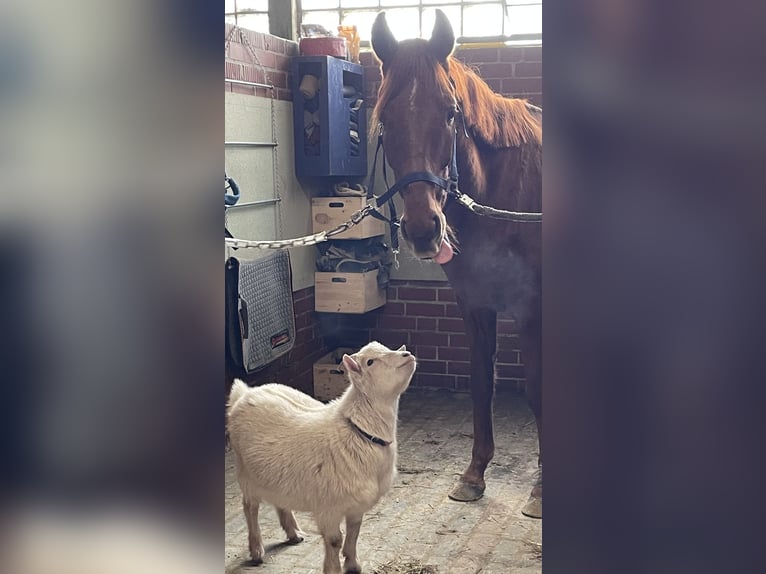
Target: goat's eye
[{"x": 370, "y": 362}]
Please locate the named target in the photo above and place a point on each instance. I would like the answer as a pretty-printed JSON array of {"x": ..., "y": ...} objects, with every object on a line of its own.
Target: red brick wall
[
  {"x": 424, "y": 316},
  {"x": 274, "y": 55},
  {"x": 296, "y": 367},
  {"x": 514, "y": 71}
]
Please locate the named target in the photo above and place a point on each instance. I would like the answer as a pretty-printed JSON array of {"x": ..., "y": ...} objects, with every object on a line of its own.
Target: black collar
[{"x": 368, "y": 436}]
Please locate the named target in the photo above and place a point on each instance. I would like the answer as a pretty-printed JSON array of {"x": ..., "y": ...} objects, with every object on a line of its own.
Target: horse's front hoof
[
  {"x": 534, "y": 506},
  {"x": 467, "y": 491}
]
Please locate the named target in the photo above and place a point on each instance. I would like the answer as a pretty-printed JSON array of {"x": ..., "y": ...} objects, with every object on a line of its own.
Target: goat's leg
[
  {"x": 330, "y": 530},
  {"x": 254, "y": 531},
  {"x": 351, "y": 564},
  {"x": 481, "y": 327},
  {"x": 289, "y": 525}
]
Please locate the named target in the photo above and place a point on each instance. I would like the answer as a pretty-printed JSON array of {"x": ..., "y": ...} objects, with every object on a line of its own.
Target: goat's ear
[
  {"x": 402, "y": 348},
  {"x": 442, "y": 40},
  {"x": 351, "y": 365},
  {"x": 383, "y": 42}
]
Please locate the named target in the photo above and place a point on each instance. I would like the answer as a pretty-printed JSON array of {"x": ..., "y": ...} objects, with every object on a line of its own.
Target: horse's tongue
[{"x": 445, "y": 253}]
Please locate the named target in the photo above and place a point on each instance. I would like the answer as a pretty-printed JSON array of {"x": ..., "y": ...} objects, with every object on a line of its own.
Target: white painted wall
[{"x": 248, "y": 118}]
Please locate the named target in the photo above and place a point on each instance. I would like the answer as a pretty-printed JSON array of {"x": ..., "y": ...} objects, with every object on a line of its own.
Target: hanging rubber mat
[{"x": 259, "y": 310}]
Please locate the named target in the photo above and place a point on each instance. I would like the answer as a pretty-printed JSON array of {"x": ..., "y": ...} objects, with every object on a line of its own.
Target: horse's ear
[
  {"x": 442, "y": 40},
  {"x": 383, "y": 42}
]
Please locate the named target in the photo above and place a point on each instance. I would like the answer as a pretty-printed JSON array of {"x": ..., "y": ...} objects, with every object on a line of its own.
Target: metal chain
[
  {"x": 320, "y": 237},
  {"x": 275, "y": 166},
  {"x": 357, "y": 216},
  {"x": 249, "y": 46}
]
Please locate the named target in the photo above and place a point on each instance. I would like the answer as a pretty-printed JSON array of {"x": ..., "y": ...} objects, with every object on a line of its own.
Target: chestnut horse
[{"x": 430, "y": 104}]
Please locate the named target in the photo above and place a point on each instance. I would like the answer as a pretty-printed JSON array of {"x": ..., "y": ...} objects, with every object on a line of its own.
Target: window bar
[
  {"x": 251, "y": 144},
  {"x": 244, "y": 83},
  {"x": 260, "y": 202}
]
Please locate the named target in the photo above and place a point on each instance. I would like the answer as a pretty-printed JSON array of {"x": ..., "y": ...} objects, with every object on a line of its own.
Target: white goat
[{"x": 335, "y": 460}]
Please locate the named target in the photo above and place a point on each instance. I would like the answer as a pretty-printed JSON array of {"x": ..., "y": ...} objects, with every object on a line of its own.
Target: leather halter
[{"x": 448, "y": 185}]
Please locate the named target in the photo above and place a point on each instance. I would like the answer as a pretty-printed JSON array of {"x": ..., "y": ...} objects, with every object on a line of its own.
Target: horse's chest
[{"x": 492, "y": 275}]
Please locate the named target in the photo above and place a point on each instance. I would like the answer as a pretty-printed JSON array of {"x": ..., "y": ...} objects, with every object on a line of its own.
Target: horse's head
[{"x": 417, "y": 107}]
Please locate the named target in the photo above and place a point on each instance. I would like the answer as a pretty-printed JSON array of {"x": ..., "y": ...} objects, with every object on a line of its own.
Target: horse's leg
[
  {"x": 481, "y": 326},
  {"x": 531, "y": 348}
]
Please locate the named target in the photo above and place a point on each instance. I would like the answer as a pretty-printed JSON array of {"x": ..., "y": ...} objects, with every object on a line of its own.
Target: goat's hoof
[
  {"x": 256, "y": 555},
  {"x": 297, "y": 539},
  {"x": 467, "y": 491}
]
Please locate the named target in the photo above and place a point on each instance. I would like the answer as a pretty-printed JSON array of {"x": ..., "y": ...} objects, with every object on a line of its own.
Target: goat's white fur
[{"x": 300, "y": 454}]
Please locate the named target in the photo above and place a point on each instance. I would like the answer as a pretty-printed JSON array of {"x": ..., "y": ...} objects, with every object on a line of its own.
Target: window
[
  {"x": 472, "y": 20},
  {"x": 250, "y": 14}
]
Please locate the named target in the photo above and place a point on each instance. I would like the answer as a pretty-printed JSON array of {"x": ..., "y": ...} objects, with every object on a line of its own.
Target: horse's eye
[
  {"x": 370, "y": 362},
  {"x": 451, "y": 114}
]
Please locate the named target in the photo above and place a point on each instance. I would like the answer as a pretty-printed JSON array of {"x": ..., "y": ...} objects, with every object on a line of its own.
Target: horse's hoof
[
  {"x": 252, "y": 562},
  {"x": 534, "y": 507},
  {"x": 297, "y": 539},
  {"x": 467, "y": 491}
]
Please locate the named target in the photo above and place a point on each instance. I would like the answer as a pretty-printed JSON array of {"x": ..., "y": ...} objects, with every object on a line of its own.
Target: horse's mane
[{"x": 496, "y": 120}]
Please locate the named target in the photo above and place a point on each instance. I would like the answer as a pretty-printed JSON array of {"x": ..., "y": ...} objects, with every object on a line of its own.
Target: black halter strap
[{"x": 393, "y": 221}]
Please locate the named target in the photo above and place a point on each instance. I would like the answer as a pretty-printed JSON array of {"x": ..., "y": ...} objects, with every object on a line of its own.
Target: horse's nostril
[
  {"x": 402, "y": 227},
  {"x": 437, "y": 225}
]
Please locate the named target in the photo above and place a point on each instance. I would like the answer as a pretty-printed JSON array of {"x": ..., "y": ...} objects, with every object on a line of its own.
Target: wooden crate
[
  {"x": 347, "y": 292},
  {"x": 329, "y": 212},
  {"x": 329, "y": 376}
]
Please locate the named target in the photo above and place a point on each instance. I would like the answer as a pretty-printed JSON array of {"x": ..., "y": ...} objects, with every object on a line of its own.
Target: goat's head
[{"x": 379, "y": 372}]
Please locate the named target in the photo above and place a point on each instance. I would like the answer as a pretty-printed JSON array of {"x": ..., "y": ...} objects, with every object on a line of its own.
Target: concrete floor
[{"x": 416, "y": 521}]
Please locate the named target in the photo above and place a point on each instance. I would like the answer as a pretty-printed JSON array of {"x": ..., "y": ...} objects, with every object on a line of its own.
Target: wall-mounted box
[
  {"x": 347, "y": 292},
  {"x": 329, "y": 117},
  {"x": 329, "y": 212}
]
